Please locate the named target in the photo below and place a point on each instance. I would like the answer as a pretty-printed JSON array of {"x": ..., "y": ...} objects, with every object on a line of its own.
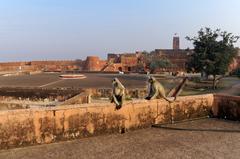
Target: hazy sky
[{"x": 71, "y": 29}]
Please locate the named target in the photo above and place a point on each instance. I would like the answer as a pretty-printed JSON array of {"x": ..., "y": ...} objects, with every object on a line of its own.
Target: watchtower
[{"x": 176, "y": 43}]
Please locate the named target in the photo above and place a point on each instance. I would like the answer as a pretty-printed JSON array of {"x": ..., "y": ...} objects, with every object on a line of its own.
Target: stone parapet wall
[
  {"x": 46, "y": 125},
  {"x": 226, "y": 107}
]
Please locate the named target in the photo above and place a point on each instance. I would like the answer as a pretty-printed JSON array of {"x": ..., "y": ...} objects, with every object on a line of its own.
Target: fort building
[{"x": 126, "y": 62}]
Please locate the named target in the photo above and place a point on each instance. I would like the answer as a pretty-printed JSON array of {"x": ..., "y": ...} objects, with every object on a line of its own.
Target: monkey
[
  {"x": 156, "y": 90},
  {"x": 118, "y": 93}
]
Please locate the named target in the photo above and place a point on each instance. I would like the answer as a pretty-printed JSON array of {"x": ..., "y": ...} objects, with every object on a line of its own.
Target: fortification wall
[
  {"x": 41, "y": 65},
  {"x": 226, "y": 107},
  {"x": 93, "y": 63},
  {"x": 38, "y": 126}
]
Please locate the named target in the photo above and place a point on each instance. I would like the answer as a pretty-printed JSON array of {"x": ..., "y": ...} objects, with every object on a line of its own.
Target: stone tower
[
  {"x": 92, "y": 63},
  {"x": 176, "y": 43}
]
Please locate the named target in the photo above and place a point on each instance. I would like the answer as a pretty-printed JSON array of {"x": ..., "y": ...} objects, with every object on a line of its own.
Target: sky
[{"x": 74, "y": 29}]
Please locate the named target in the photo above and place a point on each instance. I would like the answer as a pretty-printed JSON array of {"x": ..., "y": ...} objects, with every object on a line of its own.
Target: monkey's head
[
  {"x": 151, "y": 80},
  {"x": 115, "y": 82}
]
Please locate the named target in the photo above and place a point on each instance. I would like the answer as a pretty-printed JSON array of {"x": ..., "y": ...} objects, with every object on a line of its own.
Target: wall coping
[
  {"x": 226, "y": 95},
  {"x": 107, "y": 104}
]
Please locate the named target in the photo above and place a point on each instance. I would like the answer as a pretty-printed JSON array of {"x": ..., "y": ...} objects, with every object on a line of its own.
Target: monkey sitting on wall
[
  {"x": 118, "y": 93},
  {"x": 156, "y": 90}
]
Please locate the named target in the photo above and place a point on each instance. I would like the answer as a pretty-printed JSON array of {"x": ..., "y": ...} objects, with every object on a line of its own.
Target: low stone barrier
[
  {"x": 46, "y": 125},
  {"x": 226, "y": 107}
]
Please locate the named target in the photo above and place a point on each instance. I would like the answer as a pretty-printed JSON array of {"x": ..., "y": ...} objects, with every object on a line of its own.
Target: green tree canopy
[{"x": 213, "y": 52}]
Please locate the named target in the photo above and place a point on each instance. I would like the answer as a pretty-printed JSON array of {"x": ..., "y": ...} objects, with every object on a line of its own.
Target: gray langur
[
  {"x": 156, "y": 90},
  {"x": 118, "y": 93}
]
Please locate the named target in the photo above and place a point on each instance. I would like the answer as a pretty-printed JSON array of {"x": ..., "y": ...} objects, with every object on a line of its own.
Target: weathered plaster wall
[
  {"x": 227, "y": 107},
  {"x": 37, "y": 126}
]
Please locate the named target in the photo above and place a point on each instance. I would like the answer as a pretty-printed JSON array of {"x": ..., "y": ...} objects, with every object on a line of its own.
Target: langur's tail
[{"x": 178, "y": 89}]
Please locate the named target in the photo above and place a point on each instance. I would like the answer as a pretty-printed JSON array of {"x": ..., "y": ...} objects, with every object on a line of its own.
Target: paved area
[
  {"x": 52, "y": 80},
  {"x": 100, "y": 80},
  {"x": 146, "y": 143},
  {"x": 233, "y": 90}
]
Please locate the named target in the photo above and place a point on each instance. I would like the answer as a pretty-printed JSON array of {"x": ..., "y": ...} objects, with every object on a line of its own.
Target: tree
[
  {"x": 213, "y": 52},
  {"x": 160, "y": 63}
]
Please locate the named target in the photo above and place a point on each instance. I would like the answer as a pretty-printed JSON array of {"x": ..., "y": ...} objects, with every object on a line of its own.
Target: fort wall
[
  {"x": 41, "y": 66},
  {"x": 93, "y": 63},
  {"x": 46, "y": 125},
  {"x": 227, "y": 107}
]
